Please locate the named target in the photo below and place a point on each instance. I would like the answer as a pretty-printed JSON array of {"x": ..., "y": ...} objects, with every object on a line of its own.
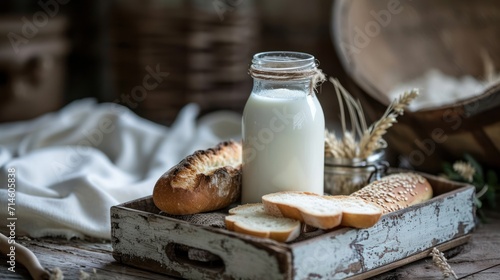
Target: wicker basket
[
  {"x": 403, "y": 40},
  {"x": 204, "y": 48}
]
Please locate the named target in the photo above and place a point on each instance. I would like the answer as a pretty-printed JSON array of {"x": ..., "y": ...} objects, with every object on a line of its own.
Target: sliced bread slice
[
  {"x": 357, "y": 212},
  {"x": 253, "y": 220},
  {"x": 310, "y": 208}
]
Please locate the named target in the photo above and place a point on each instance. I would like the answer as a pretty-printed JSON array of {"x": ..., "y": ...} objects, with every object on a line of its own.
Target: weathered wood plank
[
  {"x": 488, "y": 274},
  {"x": 74, "y": 257},
  {"x": 484, "y": 244},
  {"x": 480, "y": 254},
  {"x": 143, "y": 240},
  {"x": 442, "y": 247}
]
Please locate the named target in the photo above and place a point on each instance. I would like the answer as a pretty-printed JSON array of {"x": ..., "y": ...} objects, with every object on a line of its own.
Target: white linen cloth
[{"x": 71, "y": 166}]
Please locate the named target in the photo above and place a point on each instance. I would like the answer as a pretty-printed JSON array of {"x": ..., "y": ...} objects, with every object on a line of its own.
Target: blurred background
[
  {"x": 155, "y": 56},
  {"x": 103, "y": 49}
]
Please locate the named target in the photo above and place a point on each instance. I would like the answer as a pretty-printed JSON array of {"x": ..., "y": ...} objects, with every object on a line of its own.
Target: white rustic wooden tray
[{"x": 144, "y": 238}]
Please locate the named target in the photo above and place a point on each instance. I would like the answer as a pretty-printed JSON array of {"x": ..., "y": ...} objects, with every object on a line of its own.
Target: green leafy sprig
[{"x": 486, "y": 182}]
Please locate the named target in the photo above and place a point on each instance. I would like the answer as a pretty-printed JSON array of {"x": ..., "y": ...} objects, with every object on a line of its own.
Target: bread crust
[
  {"x": 363, "y": 214},
  {"x": 291, "y": 210},
  {"x": 205, "y": 181},
  {"x": 397, "y": 191},
  {"x": 345, "y": 210}
]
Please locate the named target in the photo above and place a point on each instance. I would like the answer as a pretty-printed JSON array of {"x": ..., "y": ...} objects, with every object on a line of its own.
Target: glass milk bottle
[{"x": 283, "y": 127}]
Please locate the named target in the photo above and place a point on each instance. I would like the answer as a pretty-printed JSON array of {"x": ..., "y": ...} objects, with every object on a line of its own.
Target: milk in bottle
[{"x": 283, "y": 127}]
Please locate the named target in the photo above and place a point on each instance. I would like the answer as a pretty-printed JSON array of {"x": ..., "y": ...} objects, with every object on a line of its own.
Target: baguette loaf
[
  {"x": 396, "y": 191},
  {"x": 253, "y": 220},
  {"x": 324, "y": 212},
  {"x": 204, "y": 181}
]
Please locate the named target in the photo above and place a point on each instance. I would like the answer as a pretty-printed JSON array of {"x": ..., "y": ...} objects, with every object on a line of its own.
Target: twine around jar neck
[{"x": 316, "y": 76}]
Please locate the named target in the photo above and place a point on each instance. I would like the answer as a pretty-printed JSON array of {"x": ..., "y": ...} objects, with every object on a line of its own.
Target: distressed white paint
[
  {"x": 347, "y": 252},
  {"x": 147, "y": 238},
  {"x": 335, "y": 255}
]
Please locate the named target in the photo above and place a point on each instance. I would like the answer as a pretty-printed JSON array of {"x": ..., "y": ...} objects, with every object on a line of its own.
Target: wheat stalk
[
  {"x": 440, "y": 261},
  {"x": 490, "y": 74},
  {"x": 336, "y": 148},
  {"x": 404, "y": 101},
  {"x": 361, "y": 141},
  {"x": 350, "y": 146},
  {"x": 372, "y": 137},
  {"x": 332, "y": 145}
]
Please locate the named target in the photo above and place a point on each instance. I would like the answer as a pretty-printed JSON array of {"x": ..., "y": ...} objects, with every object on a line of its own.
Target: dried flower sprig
[
  {"x": 360, "y": 141},
  {"x": 464, "y": 169},
  {"x": 440, "y": 261},
  {"x": 470, "y": 171}
]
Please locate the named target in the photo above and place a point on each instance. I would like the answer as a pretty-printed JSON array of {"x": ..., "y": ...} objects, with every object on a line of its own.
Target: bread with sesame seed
[
  {"x": 205, "y": 181},
  {"x": 397, "y": 191}
]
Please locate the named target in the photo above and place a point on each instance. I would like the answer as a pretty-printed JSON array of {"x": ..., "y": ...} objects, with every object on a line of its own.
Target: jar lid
[{"x": 283, "y": 61}]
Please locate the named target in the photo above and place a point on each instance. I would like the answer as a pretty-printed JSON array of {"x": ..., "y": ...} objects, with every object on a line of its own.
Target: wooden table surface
[{"x": 478, "y": 259}]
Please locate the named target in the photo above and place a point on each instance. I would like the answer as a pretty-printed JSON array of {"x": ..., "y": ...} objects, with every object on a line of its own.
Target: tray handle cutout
[{"x": 194, "y": 257}]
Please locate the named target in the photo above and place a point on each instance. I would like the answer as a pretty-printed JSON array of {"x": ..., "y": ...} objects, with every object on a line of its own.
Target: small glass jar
[
  {"x": 283, "y": 127},
  {"x": 345, "y": 176}
]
